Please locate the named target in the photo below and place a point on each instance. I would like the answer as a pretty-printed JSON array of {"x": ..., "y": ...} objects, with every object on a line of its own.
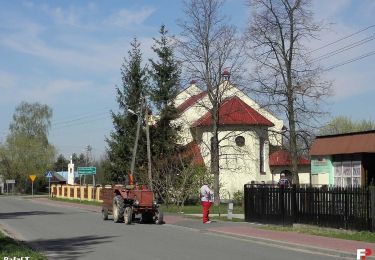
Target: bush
[
  {"x": 194, "y": 200},
  {"x": 238, "y": 197}
]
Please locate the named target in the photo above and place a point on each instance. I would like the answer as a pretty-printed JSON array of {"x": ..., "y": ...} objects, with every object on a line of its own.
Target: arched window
[{"x": 240, "y": 141}]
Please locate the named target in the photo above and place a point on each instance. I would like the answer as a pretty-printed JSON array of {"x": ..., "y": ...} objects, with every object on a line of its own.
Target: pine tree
[
  {"x": 165, "y": 72},
  {"x": 121, "y": 141}
]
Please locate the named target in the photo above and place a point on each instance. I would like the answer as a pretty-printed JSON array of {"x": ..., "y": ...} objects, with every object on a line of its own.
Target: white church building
[{"x": 246, "y": 132}]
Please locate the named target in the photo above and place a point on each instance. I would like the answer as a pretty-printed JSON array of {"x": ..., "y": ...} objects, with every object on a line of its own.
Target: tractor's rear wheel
[
  {"x": 105, "y": 214},
  {"x": 118, "y": 209},
  {"x": 128, "y": 215},
  {"x": 159, "y": 217}
]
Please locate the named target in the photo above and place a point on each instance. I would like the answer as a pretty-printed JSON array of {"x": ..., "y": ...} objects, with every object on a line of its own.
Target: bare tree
[
  {"x": 284, "y": 74},
  {"x": 209, "y": 46}
]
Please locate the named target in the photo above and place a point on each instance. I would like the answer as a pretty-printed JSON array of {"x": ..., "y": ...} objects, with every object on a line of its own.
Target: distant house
[
  {"x": 280, "y": 162},
  {"x": 343, "y": 159},
  {"x": 246, "y": 131},
  {"x": 62, "y": 177},
  {"x": 58, "y": 178}
]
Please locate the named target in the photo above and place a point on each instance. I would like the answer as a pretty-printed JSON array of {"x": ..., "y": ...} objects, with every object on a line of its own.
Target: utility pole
[
  {"x": 148, "y": 147},
  {"x": 139, "y": 121}
]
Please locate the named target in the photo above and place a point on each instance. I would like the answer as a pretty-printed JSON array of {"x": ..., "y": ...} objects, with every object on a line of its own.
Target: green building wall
[{"x": 322, "y": 165}]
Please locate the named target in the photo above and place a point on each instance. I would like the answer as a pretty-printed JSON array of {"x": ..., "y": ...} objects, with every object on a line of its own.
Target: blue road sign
[{"x": 49, "y": 175}]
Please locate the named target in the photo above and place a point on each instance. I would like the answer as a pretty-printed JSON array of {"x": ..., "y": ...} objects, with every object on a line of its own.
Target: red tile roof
[
  {"x": 191, "y": 101},
  {"x": 233, "y": 111},
  {"x": 282, "y": 158}
]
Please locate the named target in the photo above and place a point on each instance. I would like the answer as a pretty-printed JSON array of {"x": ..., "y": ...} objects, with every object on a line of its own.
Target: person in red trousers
[{"x": 206, "y": 195}]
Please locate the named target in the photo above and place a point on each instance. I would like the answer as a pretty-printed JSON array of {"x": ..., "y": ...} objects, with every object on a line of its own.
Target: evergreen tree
[
  {"x": 121, "y": 141},
  {"x": 165, "y": 73},
  {"x": 61, "y": 163}
]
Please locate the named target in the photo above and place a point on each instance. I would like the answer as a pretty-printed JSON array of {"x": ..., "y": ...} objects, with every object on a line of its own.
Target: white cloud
[
  {"x": 7, "y": 81},
  {"x": 69, "y": 18},
  {"x": 126, "y": 18},
  {"x": 94, "y": 56},
  {"x": 329, "y": 10},
  {"x": 350, "y": 79},
  {"x": 80, "y": 50},
  {"x": 53, "y": 90}
]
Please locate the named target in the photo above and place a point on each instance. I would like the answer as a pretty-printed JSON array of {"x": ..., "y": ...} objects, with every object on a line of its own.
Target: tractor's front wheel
[
  {"x": 118, "y": 209},
  {"x": 128, "y": 215}
]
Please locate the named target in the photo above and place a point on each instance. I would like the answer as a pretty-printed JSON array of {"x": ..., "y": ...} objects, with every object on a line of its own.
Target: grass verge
[
  {"x": 11, "y": 248},
  {"x": 197, "y": 209},
  {"x": 365, "y": 236},
  {"x": 77, "y": 201}
]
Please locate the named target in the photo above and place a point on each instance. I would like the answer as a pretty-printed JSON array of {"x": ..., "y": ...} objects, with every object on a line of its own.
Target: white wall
[
  {"x": 238, "y": 165},
  {"x": 187, "y": 93},
  {"x": 304, "y": 172}
]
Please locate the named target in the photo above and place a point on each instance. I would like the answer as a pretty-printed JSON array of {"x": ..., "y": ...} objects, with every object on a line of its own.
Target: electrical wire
[
  {"x": 345, "y": 48},
  {"x": 341, "y": 39},
  {"x": 78, "y": 119},
  {"x": 350, "y": 61},
  {"x": 72, "y": 123},
  {"x": 81, "y": 116}
]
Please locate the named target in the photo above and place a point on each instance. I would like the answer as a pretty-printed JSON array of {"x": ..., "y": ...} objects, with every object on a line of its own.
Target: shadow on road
[
  {"x": 70, "y": 248},
  {"x": 21, "y": 214}
]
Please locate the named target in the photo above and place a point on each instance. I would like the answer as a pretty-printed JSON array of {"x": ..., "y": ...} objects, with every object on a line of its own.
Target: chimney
[{"x": 226, "y": 74}]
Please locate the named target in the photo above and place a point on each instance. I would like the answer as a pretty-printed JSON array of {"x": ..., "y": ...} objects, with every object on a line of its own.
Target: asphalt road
[{"x": 69, "y": 233}]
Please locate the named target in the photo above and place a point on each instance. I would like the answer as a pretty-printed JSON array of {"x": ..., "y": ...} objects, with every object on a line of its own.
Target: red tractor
[{"x": 126, "y": 203}]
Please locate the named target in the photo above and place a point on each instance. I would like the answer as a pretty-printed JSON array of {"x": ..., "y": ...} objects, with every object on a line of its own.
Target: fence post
[
  {"x": 372, "y": 207},
  {"x": 346, "y": 207},
  {"x": 246, "y": 202},
  {"x": 282, "y": 209},
  {"x": 294, "y": 203}
]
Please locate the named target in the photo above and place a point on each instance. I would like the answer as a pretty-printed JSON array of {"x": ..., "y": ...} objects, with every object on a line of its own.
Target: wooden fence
[{"x": 348, "y": 208}]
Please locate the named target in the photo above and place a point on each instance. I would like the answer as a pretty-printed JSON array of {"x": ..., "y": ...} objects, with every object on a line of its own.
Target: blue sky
[{"x": 67, "y": 54}]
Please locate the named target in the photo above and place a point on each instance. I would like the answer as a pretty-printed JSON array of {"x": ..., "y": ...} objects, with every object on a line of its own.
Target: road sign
[
  {"x": 49, "y": 175},
  {"x": 86, "y": 170},
  {"x": 32, "y": 178},
  {"x": 10, "y": 181}
]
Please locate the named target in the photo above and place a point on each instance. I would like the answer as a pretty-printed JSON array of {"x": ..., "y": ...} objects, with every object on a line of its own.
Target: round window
[{"x": 240, "y": 141}]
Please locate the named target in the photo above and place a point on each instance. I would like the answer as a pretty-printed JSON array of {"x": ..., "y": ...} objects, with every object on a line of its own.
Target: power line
[
  {"x": 78, "y": 119},
  {"x": 70, "y": 124},
  {"x": 341, "y": 39},
  {"x": 83, "y": 115},
  {"x": 351, "y": 60},
  {"x": 345, "y": 48}
]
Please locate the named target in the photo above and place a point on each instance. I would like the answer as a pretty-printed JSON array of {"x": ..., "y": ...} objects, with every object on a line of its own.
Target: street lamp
[{"x": 132, "y": 112}]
